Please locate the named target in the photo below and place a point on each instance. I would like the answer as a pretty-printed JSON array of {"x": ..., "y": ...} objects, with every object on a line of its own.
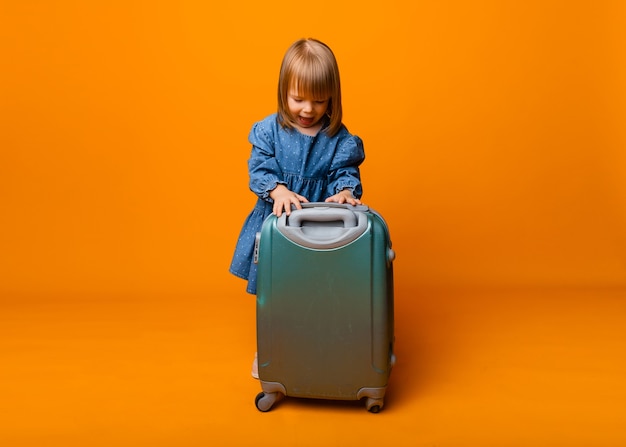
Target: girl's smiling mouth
[{"x": 306, "y": 121}]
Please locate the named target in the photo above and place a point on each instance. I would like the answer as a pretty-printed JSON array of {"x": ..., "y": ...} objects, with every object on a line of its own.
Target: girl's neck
[{"x": 310, "y": 131}]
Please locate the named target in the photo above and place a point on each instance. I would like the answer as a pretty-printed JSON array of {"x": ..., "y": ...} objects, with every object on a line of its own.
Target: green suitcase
[{"x": 325, "y": 323}]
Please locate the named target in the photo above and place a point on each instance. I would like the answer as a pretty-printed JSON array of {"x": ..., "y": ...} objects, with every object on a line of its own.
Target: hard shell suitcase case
[{"x": 325, "y": 323}]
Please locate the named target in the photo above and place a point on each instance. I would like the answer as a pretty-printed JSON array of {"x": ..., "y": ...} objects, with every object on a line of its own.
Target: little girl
[{"x": 302, "y": 153}]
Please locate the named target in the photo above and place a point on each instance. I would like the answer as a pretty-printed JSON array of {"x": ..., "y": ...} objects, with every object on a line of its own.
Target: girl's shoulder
[
  {"x": 269, "y": 123},
  {"x": 264, "y": 130},
  {"x": 345, "y": 136}
]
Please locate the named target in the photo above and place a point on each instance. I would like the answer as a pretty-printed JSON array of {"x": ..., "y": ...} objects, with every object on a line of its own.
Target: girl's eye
[{"x": 321, "y": 102}]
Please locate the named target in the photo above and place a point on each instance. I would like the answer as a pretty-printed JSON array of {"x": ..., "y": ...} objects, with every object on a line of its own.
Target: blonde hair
[{"x": 310, "y": 68}]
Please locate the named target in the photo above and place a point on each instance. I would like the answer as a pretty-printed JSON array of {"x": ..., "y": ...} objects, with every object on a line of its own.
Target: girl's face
[{"x": 306, "y": 112}]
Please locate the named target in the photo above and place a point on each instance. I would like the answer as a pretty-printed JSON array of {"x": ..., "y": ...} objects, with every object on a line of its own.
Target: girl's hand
[
  {"x": 284, "y": 198},
  {"x": 344, "y": 196}
]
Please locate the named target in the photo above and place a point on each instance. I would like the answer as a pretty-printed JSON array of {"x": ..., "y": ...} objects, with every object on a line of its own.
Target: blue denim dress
[{"x": 315, "y": 167}]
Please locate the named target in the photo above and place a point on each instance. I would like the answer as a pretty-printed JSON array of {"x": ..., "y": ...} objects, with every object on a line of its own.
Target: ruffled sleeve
[
  {"x": 265, "y": 173},
  {"x": 344, "y": 170}
]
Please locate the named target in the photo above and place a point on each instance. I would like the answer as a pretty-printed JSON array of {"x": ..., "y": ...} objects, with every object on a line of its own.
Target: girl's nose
[{"x": 307, "y": 107}]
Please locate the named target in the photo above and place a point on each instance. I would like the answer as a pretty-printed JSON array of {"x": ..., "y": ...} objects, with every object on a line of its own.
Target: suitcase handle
[
  {"x": 301, "y": 217},
  {"x": 344, "y": 206},
  {"x": 323, "y": 227}
]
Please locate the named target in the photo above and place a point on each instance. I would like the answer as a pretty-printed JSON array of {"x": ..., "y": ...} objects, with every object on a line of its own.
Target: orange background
[{"x": 496, "y": 150}]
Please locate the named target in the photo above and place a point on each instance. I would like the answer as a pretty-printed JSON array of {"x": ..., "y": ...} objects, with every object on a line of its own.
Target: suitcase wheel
[
  {"x": 374, "y": 409},
  {"x": 265, "y": 401},
  {"x": 373, "y": 405}
]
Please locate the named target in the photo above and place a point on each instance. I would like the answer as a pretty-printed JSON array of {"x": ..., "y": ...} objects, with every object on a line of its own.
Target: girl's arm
[
  {"x": 344, "y": 178},
  {"x": 263, "y": 168},
  {"x": 266, "y": 176},
  {"x": 266, "y": 182}
]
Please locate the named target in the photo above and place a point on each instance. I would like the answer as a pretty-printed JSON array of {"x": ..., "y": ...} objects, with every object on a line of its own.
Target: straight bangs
[
  {"x": 313, "y": 81},
  {"x": 310, "y": 69}
]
